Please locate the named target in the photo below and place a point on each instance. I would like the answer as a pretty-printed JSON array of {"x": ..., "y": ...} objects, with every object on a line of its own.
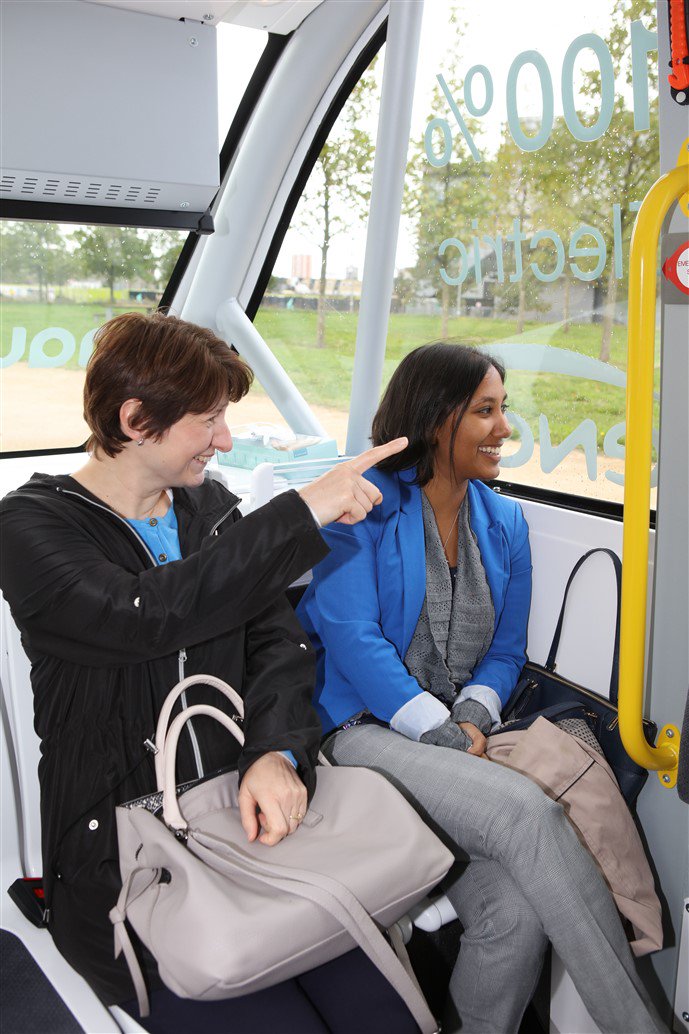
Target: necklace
[
  {"x": 449, "y": 534},
  {"x": 148, "y": 516}
]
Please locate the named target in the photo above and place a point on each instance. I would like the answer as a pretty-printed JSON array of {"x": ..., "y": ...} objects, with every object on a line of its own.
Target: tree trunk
[
  {"x": 322, "y": 283},
  {"x": 608, "y": 318},
  {"x": 521, "y": 311},
  {"x": 565, "y": 307},
  {"x": 445, "y": 317}
]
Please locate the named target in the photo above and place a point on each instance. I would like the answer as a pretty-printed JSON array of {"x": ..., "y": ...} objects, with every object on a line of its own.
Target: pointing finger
[{"x": 379, "y": 452}]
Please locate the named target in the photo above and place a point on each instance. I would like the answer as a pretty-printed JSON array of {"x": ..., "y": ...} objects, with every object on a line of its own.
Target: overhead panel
[{"x": 134, "y": 135}]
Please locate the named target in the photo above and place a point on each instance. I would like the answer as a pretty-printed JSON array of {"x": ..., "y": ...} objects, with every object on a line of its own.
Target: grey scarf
[{"x": 455, "y": 628}]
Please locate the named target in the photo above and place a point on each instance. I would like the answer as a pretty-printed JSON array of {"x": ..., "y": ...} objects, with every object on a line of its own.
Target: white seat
[{"x": 20, "y": 836}]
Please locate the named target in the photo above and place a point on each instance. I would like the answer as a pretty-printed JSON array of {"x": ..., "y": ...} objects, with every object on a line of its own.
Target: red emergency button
[{"x": 676, "y": 268}]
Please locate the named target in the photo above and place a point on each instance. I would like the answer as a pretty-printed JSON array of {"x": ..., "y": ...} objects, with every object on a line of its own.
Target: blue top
[
  {"x": 160, "y": 535},
  {"x": 162, "y": 538},
  {"x": 363, "y": 605}
]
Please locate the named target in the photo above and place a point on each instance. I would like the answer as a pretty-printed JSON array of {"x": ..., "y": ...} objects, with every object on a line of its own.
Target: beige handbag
[{"x": 224, "y": 917}]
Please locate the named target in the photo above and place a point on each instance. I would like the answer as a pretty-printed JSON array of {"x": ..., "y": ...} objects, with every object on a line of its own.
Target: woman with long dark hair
[{"x": 419, "y": 620}]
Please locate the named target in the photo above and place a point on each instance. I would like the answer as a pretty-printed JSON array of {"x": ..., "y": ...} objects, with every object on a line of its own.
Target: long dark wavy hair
[{"x": 429, "y": 385}]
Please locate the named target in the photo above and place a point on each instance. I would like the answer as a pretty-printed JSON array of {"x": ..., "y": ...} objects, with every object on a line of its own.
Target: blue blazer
[{"x": 363, "y": 605}]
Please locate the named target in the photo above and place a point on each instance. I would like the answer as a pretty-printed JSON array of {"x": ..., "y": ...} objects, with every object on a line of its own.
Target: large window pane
[
  {"x": 531, "y": 149},
  {"x": 309, "y": 312}
]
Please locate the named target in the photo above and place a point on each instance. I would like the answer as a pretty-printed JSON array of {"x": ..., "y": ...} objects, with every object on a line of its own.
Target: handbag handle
[
  {"x": 170, "y": 701},
  {"x": 615, "y": 670},
  {"x": 172, "y": 816}
]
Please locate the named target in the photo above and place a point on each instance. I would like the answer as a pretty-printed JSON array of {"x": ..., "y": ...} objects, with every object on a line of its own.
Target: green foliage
[
  {"x": 339, "y": 188},
  {"x": 112, "y": 253},
  {"x": 169, "y": 245},
  {"x": 33, "y": 253},
  {"x": 47, "y": 257}
]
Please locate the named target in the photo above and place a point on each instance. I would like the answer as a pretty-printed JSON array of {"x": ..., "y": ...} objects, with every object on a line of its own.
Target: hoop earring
[{"x": 140, "y": 441}]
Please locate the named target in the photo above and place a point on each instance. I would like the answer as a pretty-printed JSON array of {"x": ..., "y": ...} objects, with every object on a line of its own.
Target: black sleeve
[
  {"x": 73, "y": 602},
  {"x": 278, "y": 686}
]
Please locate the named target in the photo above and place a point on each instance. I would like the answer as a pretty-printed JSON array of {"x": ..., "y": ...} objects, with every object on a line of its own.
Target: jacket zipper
[
  {"x": 106, "y": 509},
  {"x": 223, "y": 518},
  {"x": 181, "y": 658}
]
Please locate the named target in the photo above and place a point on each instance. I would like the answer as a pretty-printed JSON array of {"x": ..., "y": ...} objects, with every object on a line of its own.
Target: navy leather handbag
[{"x": 540, "y": 692}]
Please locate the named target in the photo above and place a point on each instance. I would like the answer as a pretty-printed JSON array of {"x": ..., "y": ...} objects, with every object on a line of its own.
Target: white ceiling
[{"x": 281, "y": 16}]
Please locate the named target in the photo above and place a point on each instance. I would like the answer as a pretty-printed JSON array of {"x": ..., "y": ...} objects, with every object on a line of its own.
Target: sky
[{"x": 547, "y": 26}]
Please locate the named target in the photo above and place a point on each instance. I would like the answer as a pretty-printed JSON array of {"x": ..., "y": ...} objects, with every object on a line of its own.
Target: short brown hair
[{"x": 171, "y": 366}]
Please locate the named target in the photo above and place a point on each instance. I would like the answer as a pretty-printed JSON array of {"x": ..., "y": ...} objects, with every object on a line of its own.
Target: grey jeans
[{"x": 528, "y": 881}]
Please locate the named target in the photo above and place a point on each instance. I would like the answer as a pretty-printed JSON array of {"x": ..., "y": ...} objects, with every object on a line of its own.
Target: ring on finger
[{"x": 298, "y": 817}]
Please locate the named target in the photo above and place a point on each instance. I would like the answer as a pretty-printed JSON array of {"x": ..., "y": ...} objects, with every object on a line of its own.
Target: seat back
[{"x": 21, "y": 745}]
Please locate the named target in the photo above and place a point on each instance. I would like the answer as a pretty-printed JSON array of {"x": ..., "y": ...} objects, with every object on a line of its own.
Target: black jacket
[{"x": 107, "y": 633}]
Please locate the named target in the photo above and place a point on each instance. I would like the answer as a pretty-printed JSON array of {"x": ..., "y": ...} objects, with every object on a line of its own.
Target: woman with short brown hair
[{"x": 132, "y": 574}]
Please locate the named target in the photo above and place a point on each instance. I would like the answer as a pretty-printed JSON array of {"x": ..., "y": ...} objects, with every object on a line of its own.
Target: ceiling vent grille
[{"x": 133, "y": 194}]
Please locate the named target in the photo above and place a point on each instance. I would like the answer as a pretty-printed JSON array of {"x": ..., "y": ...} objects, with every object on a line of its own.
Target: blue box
[{"x": 265, "y": 443}]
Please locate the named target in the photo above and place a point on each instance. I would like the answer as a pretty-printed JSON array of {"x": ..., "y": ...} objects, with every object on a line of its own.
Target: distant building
[{"x": 301, "y": 267}]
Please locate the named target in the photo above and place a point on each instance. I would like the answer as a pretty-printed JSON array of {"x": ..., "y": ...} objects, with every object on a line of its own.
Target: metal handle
[{"x": 662, "y": 758}]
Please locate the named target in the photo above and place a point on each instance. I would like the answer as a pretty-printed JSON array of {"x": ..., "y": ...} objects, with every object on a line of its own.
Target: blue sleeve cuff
[
  {"x": 290, "y": 756},
  {"x": 419, "y": 715}
]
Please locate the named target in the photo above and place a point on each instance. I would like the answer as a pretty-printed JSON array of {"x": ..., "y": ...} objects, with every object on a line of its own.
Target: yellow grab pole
[{"x": 637, "y": 478}]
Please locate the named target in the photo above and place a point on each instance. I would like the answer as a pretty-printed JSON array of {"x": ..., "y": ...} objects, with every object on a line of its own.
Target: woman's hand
[
  {"x": 478, "y": 740},
  {"x": 343, "y": 494},
  {"x": 272, "y": 799}
]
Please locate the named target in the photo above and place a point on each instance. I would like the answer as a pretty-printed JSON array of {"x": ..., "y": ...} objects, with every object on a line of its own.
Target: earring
[{"x": 140, "y": 441}]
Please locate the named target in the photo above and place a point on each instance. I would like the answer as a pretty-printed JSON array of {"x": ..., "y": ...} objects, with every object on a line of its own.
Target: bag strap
[
  {"x": 336, "y": 899},
  {"x": 138, "y": 881},
  {"x": 615, "y": 670},
  {"x": 170, "y": 701}
]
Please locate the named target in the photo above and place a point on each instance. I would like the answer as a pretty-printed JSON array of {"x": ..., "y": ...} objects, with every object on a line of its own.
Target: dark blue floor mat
[{"x": 29, "y": 1003}]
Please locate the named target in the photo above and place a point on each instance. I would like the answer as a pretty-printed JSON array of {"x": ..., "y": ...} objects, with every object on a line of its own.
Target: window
[
  {"x": 309, "y": 311},
  {"x": 59, "y": 283},
  {"x": 533, "y": 143}
]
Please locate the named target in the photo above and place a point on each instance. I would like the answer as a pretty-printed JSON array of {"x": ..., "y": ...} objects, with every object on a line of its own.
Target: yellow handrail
[{"x": 637, "y": 480}]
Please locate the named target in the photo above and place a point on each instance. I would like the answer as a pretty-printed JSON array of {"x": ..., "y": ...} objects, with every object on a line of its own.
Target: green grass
[{"x": 324, "y": 375}]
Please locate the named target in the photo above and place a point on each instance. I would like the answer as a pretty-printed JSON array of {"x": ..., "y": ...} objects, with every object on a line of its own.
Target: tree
[
  {"x": 110, "y": 253},
  {"x": 449, "y": 198},
  {"x": 557, "y": 190},
  {"x": 517, "y": 194},
  {"x": 444, "y": 200},
  {"x": 34, "y": 253},
  {"x": 623, "y": 164},
  {"x": 339, "y": 188},
  {"x": 168, "y": 245}
]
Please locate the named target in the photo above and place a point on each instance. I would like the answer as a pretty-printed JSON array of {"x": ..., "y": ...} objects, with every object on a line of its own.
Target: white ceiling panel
[{"x": 281, "y": 16}]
